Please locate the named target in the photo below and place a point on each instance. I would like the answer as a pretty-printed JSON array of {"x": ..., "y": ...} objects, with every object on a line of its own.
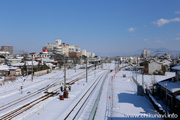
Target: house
[
  {"x": 14, "y": 71},
  {"x": 2, "y": 60},
  {"x": 167, "y": 63},
  {"x": 4, "y": 70},
  {"x": 154, "y": 67},
  {"x": 13, "y": 61},
  {"x": 177, "y": 70},
  {"x": 169, "y": 92}
]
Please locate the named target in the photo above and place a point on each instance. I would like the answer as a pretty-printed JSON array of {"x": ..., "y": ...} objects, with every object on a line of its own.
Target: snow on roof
[
  {"x": 50, "y": 65},
  {"x": 14, "y": 59},
  {"x": 19, "y": 57},
  {"x": 4, "y": 52},
  {"x": 178, "y": 97},
  {"x": 30, "y": 63},
  {"x": 156, "y": 62},
  {"x": 18, "y": 64},
  {"x": 176, "y": 67},
  {"x": 171, "y": 86},
  {"x": 13, "y": 68},
  {"x": 26, "y": 62},
  {"x": 4, "y": 67},
  {"x": 46, "y": 60}
]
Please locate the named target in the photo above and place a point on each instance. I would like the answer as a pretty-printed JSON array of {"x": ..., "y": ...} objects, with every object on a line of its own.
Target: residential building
[
  {"x": 13, "y": 61},
  {"x": 39, "y": 55},
  {"x": 14, "y": 71},
  {"x": 169, "y": 92},
  {"x": 4, "y": 70},
  {"x": 177, "y": 70},
  {"x": 9, "y": 49},
  {"x": 4, "y": 53},
  {"x": 154, "y": 67}
]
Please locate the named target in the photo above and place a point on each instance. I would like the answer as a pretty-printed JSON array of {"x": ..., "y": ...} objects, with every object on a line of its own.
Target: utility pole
[
  {"x": 27, "y": 70},
  {"x": 115, "y": 66},
  {"x": 86, "y": 71},
  {"x": 95, "y": 69},
  {"x": 75, "y": 64},
  {"x": 64, "y": 74},
  {"x": 136, "y": 68},
  {"x": 119, "y": 64},
  {"x": 32, "y": 70},
  {"x": 143, "y": 79},
  {"x": 166, "y": 100}
]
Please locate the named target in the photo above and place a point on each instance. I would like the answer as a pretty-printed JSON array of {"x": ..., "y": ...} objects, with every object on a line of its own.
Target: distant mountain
[{"x": 155, "y": 51}]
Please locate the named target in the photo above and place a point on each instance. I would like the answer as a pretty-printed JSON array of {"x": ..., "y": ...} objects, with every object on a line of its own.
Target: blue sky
[{"x": 106, "y": 27}]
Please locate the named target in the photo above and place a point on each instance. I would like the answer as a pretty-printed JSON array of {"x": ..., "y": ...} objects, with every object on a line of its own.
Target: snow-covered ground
[{"x": 118, "y": 99}]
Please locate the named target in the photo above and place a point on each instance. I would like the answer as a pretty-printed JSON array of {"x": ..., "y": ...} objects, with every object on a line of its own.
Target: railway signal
[{"x": 21, "y": 88}]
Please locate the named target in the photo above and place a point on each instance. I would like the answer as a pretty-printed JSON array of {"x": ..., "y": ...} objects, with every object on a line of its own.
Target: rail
[
  {"x": 93, "y": 112},
  {"x": 85, "y": 97}
]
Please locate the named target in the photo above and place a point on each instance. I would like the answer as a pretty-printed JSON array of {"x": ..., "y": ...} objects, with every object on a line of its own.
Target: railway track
[
  {"x": 73, "y": 113},
  {"x": 23, "y": 108},
  {"x": 55, "y": 83},
  {"x": 18, "y": 111},
  {"x": 7, "y": 105}
]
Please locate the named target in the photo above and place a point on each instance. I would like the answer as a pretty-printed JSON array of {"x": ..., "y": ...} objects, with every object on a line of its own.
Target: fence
[{"x": 42, "y": 72}]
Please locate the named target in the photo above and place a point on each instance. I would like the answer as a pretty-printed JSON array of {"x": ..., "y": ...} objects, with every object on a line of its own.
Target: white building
[
  {"x": 146, "y": 53},
  {"x": 89, "y": 54},
  {"x": 54, "y": 47},
  {"x": 83, "y": 52},
  {"x": 154, "y": 66}
]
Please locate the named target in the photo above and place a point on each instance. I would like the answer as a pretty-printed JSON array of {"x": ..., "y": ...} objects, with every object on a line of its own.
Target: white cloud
[
  {"x": 160, "y": 42},
  {"x": 131, "y": 29},
  {"x": 177, "y": 38},
  {"x": 163, "y": 21},
  {"x": 177, "y": 12}
]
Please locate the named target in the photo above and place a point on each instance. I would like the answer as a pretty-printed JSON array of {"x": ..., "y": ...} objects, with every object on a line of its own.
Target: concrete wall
[
  {"x": 153, "y": 67},
  {"x": 42, "y": 72}
]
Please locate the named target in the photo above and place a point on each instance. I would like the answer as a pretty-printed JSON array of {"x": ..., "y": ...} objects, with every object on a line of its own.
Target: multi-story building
[
  {"x": 146, "y": 53},
  {"x": 9, "y": 49},
  {"x": 61, "y": 48},
  {"x": 54, "y": 47}
]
